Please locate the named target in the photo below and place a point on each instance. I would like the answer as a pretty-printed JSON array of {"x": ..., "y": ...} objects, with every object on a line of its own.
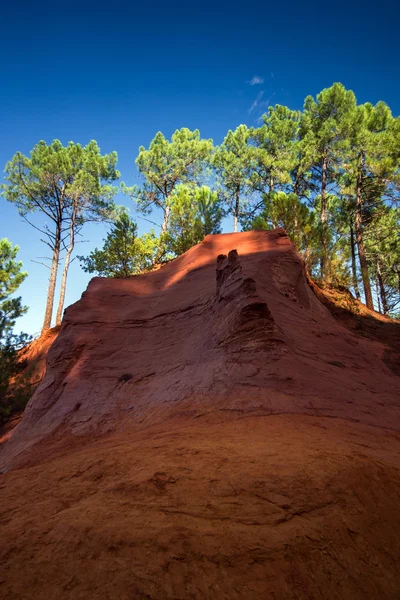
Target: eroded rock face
[
  {"x": 207, "y": 431},
  {"x": 230, "y": 325},
  {"x": 244, "y": 322}
]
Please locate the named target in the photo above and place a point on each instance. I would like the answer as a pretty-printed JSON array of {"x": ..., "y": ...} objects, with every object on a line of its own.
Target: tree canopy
[
  {"x": 233, "y": 164},
  {"x": 123, "y": 253},
  {"x": 167, "y": 164},
  {"x": 329, "y": 174},
  {"x": 68, "y": 185},
  {"x": 11, "y": 277},
  {"x": 195, "y": 213},
  {"x": 11, "y": 308}
]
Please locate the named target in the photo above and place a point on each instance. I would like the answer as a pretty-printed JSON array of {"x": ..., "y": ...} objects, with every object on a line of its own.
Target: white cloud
[
  {"x": 256, "y": 102},
  {"x": 268, "y": 100},
  {"x": 256, "y": 80}
]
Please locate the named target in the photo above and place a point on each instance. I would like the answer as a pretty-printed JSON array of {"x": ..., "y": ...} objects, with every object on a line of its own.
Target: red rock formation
[
  {"x": 33, "y": 364},
  {"x": 34, "y": 356},
  {"x": 208, "y": 430}
]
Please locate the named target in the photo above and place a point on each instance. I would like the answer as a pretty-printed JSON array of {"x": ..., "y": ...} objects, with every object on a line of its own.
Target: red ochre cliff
[{"x": 208, "y": 430}]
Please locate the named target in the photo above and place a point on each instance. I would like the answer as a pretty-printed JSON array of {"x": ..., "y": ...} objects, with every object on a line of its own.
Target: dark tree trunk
[
  {"x": 377, "y": 296},
  {"x": 382, "y": 291},
  {"x": 353, "y": 263},
  {"x": 360, "y": 242},
  {"x": 324, "y": 243},
  {"x": 296, "y": 230},
  {"x": 296, "y": 185}
]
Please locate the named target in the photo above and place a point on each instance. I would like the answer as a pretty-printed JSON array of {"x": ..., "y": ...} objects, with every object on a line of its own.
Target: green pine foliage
[
  {"x": 12, "y": 398},
  {"x": 233, "y": 163},
  {"x": 195, "y": 213},
  {"x": 286, "y": 210},
  {"x": 11, "y": 277},
  {"x": 166, "y": 165},
  {"x": 329, "y": 174},
  {"x": 68, "y": 186},
  {"x": 383, "y": 253},
  {"x": 123, "y": 254},
  {"x": 341, "y": 162}
]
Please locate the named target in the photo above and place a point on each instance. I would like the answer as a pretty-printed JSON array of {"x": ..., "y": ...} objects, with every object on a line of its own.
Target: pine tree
[
  {"x": 123, "y": 254},
  {"x": 11, "y": 277},
  {"x": 164, "y": 166},
  {"x": 371, "y": 167},
  {"x": 382, "y": 244},
  {"x": 91, "y": 195},
  {"x": 286, "y": 210},
  {"x": 11, "y": 308},
  {"x": 325, "y": 126},
  {"x": 277, "y": 148},
  {"x": 195, "y": 213},
  {"x": 233, "y": 162},
  {"x": 67, "y": 185}
]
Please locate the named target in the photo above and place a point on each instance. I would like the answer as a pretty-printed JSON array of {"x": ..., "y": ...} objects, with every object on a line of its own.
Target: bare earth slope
[{"x": 209, "y": 430}]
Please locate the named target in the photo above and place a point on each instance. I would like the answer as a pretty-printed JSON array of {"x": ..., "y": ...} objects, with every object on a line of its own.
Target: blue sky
[{"x": 118, "y": 73}]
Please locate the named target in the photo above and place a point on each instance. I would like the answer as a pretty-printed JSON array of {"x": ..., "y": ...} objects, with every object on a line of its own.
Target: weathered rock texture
[{"x": 208, "y": 430}]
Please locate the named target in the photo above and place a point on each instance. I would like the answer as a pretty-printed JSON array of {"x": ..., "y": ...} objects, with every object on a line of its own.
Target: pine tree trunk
[
  {"x": 167, "y": 211},
  {"x": 360, "y": 243},
  {"x": 164, "y": 228},
  {"x": 52, "y": 282},
  {"x": 65, "y": 271},
  {"x": 324, "y": 256},
  {"x": 271, "y": 184},
  {"x": 125, "y": 259},
  {"x": 307, "y": 259},
  {"x": 296, "y": 231},
  {"x": 296, "y": 186},
  {"x": 236, "y": 213},
  {"x": 377, "y": 296},
  {"x": 353, "y": 263},
  {"x": 382, "y": 291}
]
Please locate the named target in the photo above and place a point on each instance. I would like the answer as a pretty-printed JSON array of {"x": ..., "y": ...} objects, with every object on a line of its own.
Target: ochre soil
[
  {"x": 283, "y": 506},
  {"x": 228, "y": 435}
]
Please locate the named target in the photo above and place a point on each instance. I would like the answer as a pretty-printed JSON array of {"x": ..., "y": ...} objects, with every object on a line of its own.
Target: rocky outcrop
[{"x": 208, "y": 430}]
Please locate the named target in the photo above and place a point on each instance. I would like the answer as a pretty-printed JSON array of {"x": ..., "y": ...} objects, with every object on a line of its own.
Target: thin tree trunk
[
  {"x": 271, "y": 184},
  {"x": 307, "y": 259},
  {"x": 52, "y": 282},
  {"x": 236, "y": 213},
  {"x": 164, "y": 228},
  {"x": 377, "y": 295},
  {"x": 296, "y": 230},
  {"x": 125, "y": 260},
  {"x": 382, "y": 290},
  {"x": 353, "y": 263},
  {"x": 167, "y": 211},
  {"x": 296, "y": 185},
  {"x": 398, "y": 282},
  {"x": 360, "y": 243},
  {"x": 65, "y": 270},
  {"x": 324, "y": 256}
]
